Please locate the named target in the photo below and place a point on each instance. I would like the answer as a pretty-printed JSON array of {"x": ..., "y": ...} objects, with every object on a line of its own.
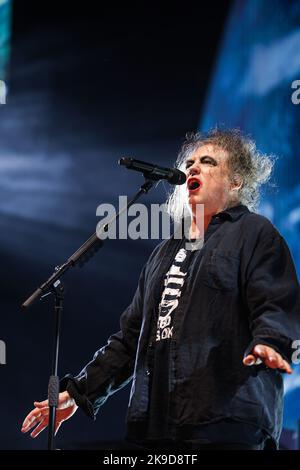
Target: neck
[{"x": 196, "y": 229}]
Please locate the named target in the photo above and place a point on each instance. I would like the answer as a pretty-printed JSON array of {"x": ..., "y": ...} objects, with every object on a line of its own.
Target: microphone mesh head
[
  {"x": 126, "y": 161},
  {"x": 178, "y": 177}
]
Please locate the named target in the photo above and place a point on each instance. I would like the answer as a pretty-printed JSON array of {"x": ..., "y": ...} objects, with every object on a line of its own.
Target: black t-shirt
[{"x": 169, "y": 306}]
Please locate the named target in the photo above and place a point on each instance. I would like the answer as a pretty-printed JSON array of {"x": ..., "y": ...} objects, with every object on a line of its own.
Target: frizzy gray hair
[{"x": 245, "y": 161}]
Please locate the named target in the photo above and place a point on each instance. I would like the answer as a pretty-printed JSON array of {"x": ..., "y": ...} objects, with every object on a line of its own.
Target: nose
[{"x": 194, "y": 169}]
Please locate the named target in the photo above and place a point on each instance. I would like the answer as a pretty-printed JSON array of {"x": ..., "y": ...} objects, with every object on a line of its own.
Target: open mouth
[{"x": 193, "y": 185}]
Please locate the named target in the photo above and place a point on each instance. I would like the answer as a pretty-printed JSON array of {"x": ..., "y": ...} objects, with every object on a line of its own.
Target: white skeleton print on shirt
[{"x": 173, "y": 282}]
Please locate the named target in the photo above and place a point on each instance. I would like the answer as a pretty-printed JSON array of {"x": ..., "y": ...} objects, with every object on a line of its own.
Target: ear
[{"x": 236, "y": 182}]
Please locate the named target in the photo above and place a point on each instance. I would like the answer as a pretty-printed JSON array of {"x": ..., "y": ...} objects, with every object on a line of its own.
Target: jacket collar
[{"x": 233, "y": 213}]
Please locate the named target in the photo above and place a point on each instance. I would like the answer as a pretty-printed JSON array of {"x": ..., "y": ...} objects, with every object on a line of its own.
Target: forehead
[{"x": 211, "y": 150}]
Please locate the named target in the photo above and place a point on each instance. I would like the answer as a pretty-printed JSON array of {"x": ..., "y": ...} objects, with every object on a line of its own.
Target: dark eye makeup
[{"x": 204, "y": 159}]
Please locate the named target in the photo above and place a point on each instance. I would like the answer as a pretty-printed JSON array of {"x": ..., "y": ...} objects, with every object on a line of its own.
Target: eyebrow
[{"x": 189, "y": 160}]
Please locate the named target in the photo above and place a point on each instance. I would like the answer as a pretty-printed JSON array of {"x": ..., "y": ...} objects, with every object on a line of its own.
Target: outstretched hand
[
  {"x": 39, "y": 416},
  {"x": 269, "y": 357}
]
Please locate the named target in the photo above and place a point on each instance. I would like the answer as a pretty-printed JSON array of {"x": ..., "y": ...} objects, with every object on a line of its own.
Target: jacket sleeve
[
  {"x": 272, "y": 295},
  {"x": 112, "y": 366}
]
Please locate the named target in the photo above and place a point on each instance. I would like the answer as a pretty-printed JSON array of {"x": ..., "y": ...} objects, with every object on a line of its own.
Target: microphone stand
[{"x": 55, "y": 286}]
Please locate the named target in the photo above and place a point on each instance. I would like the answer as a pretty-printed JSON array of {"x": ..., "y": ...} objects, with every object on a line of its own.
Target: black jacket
[{"x": 243, "y": 291}]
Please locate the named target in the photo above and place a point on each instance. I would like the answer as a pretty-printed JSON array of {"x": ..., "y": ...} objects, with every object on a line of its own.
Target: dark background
[{"x": 88, "y": 83}]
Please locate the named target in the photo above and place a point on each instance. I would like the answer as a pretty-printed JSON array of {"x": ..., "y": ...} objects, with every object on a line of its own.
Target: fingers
[
  {"x": 288, "y": 368},
  {"x": 249, "y": 360},
  {"x": 43, "y": 424},
  {"x": 41, "y": 404},
  {"x": 270, "y": 358},
  {"x": 40, "y": 419},
  {"x": 41, "y": 408},
  {"x": 57, "y": 426},
  {"x": 33, "y": 418}
]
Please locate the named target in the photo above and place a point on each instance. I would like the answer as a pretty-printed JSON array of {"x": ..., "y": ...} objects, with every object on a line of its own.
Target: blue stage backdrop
[
  {"x": 252, "y": 89},
  {"x": 5, "y": 33}
]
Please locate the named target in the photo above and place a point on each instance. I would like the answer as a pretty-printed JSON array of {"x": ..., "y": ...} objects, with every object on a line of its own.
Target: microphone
[{"x": 154, "y": 172}]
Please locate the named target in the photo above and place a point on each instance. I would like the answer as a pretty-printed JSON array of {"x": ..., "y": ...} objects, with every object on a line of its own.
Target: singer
[{"x": 209, "y": 332}]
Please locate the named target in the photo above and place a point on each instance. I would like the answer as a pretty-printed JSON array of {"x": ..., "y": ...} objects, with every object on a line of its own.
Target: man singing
[{"x": 209, "y": 332}]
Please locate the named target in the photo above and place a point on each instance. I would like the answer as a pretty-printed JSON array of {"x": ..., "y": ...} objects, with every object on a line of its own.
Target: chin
[{"x": 195, "y": 199}]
